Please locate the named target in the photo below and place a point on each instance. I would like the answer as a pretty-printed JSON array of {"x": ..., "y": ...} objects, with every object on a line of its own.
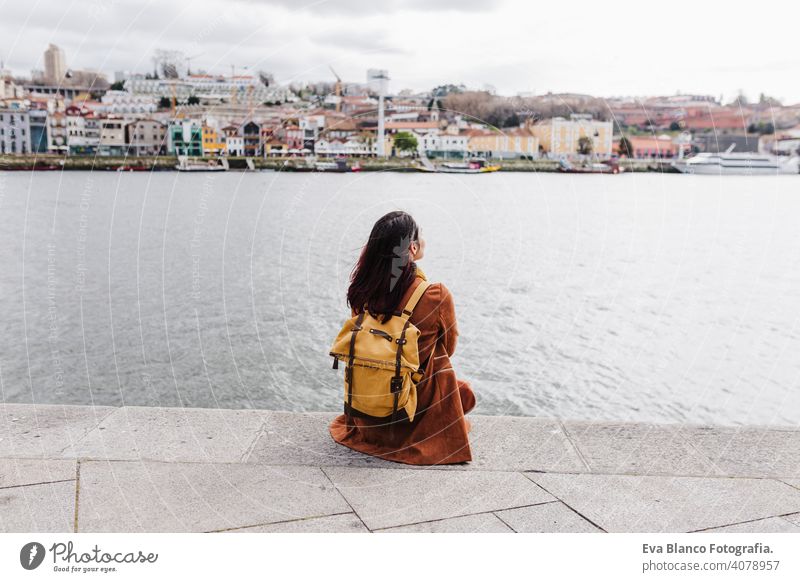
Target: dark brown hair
[{"x": 384, "y": 270}]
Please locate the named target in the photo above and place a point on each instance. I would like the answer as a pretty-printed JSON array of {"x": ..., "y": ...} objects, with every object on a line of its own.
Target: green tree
[
  {"x": 405, "y": 142},
  {"x": 164, "y": 103},
  {"x": 625, "y": 147},
  {"x": 118, "y": 86},
  {"x": 585, "y": 145},
  {"x": 193, "y": 100}
]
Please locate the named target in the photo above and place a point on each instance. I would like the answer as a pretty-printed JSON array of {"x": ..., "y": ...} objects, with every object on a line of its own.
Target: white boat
[
  {"x": 737, "y": 163},
  {"x": 470, "y": 166},
  {"x": 214, "y": 165}
]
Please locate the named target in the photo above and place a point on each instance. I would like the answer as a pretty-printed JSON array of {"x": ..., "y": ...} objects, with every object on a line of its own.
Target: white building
[
  {"x": 57, "y": 133},
  {"x": 124, "y": 103},
  {"x": 112, "y": 137},
  {"x": 241, "y": 88},
  {"x": 344, "y": 147},
  {"x": 83, "y": 131},
  {"x": 234, "y": 145},
  {"x": 15, "y": 130}
]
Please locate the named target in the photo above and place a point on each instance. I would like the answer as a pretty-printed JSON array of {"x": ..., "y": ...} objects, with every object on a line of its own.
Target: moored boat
[
  {"x": 185, "y": 164},
  {"x": 311, "y": 165},
  {"x": 737, "y": 163},
  {"x": 608, "y": 167},
  {"x": 471, "y": 166}
]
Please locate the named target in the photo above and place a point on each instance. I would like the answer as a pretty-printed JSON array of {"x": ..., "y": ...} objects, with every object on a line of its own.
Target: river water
[{"x": 643, "y": 297}]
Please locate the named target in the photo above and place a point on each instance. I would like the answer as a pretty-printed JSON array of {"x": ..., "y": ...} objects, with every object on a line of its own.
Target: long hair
[{"x": 384, "y": 270}]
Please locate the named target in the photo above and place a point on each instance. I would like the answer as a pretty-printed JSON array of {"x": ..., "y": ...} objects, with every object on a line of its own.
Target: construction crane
[
  {"x": 337, "y": 89},
  {"x": 189, "y": 62}
]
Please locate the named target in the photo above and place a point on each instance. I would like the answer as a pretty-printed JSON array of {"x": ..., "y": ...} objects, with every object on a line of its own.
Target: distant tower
[
  {"x": 377, "y": 80},
  {"x": 55, "y": 64}
]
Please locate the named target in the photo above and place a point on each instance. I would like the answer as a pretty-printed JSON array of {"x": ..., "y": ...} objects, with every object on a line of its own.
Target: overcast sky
[{"x": 603, "y": 48}]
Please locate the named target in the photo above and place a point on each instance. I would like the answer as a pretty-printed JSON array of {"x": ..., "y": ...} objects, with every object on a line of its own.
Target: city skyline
[{"x": 505, "y": 45}]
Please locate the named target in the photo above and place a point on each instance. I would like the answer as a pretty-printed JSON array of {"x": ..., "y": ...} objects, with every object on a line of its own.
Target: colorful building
[
  {"x": 213, "y": 142},
  {"x": 559, "y": 137},
  {"x": 651, "y": 146},
  {"x": 185, "y": 138},
  {"x": 517, "y": 142}
]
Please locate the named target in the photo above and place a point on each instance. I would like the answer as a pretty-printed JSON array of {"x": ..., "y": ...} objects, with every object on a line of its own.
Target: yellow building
[
  {"x": 213, "y": 144},
  {"x": 503, "y": 143},
  {"x": 559, "y": 137}
]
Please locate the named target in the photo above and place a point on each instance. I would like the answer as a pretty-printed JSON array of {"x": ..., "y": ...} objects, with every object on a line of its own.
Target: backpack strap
[
  {"x": 349, "y": 370},
  {"x": 396, "y": 383},
  {"x": 415, "y": 297}
]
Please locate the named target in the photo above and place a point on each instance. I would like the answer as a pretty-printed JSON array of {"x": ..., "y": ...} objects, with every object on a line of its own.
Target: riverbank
[
  {"x": 46, "y": 162},
  {"x": 141, "y": 469}
]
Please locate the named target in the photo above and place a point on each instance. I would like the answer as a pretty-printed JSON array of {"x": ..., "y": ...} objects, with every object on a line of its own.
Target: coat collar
[{"x": 420, "y": 273}]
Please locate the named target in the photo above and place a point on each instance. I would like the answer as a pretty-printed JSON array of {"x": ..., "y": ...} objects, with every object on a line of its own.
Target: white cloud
[{"x": 619, "y": 49}]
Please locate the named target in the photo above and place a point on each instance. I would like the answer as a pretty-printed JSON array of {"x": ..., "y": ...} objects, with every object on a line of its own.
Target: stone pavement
[{"x": 140, "y": 469}]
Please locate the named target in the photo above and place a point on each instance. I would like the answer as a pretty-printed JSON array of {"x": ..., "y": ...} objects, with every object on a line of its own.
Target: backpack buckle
[
  {"x": 401, "y": 340},
  {"x": 396, "y": 384}
]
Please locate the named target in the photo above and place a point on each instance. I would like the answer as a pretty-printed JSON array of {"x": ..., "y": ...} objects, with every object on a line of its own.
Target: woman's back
[{"x": 438, "y": 434}]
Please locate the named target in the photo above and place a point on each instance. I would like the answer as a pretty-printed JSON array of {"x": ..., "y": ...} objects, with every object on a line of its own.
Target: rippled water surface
[{"x": 636, "y": 297}]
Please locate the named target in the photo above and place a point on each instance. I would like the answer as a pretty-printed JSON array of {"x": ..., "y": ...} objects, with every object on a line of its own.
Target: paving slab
[
  {"x": 289, "y": 438},
  {"x": 172, "y": 434},
  {"x": 546, "y": 518},
  {"x": 391, "y": 497},
  {"x": 515, "y": 443},
  {"x": 498, "y": 444},
  {"x": 147, "y": 496},
  {"x": 478, "y": 523},
  {"x": 628, "y": 503},
  {"x": 45, "y": 430},
  {"x": 344, "y": 523},
  {"x": 794, "y": 518},
  {"x": 43, "y": 508},
  {"x": 637, "y": 449},
  {"x": 15, "y": 472},
  {"x": 749, "y": 452},
  {"x": 769, "y": 525}
]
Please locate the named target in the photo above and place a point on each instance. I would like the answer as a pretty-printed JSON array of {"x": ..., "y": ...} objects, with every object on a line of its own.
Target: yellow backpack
[{"x": 382, "y": 363}]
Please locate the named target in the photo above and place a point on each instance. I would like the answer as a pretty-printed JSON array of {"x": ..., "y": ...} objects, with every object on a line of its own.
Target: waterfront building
[
  {"x": 213, "y": 142},
  {"x": 353, "y": 146},
  {"x": 57, "y": 133},
  {"x": 651, "y": 146},
  {"x": 234, "y": 142},
  {"x": 83, "y": 130},
  {"x": 15, "y": 130},
  {"x": 251, "y": 134},
  {"x": 559, "y": 137},
  {"x": 185, "y": 138},
  {"x": 274, "y": 147},
  {"x": 516, "y": 142},
  {"x": 38, "y": 127},
  {"x": 146, "y": 137},
  {"x": 112, "y": 137}
]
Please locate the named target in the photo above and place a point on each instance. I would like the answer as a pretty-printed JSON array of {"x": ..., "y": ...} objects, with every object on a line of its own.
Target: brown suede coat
[{"x": 438, "y": 434}]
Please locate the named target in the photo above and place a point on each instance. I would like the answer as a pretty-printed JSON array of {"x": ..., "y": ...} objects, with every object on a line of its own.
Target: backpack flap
[{"x": 376, "y": 343}]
